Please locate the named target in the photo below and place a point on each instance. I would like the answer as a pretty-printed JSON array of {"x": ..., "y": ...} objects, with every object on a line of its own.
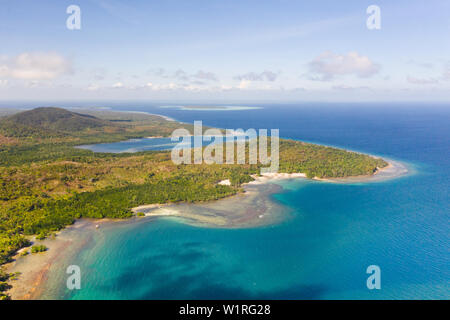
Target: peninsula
[{"x": 46, "y": 183}]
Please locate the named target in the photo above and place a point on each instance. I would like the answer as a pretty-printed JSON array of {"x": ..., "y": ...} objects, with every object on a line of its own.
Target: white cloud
[
  {"x": 446, "y": 73},
  {"x": 244, "y": 84},
  {"x": 262, "y": 76},
  {"x": 419, "y": 81},
  {"x": 32, "y": 84},
  {"x": 34, "y": 66},
  {"x": 160, "y": 87},
  {"x": 159, "y": 72},
  {"x": 421, "y": 64},
  {"x": 436, "y": 79},
  {"x": 93, "y": 87},
  {"x": 99, "y": 74},
  {"x": 350, "y": 88},
  {"x": 118, "y": 85},
  {"x": 205, "y": 75},
  {"x": 181, "y": 75},
  {"x": 329, "y": 65}
]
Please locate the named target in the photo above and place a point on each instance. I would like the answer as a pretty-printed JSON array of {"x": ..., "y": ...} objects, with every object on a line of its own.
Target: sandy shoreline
[
  {"x": 34, "y": 268},
  {"x": 148, "y": 113},
  {"x": 223, "y": 213},
  {"x": 243, "y": 210},
  {"x": 393, "y": 170},
  {"x": 252, "y": 208}
]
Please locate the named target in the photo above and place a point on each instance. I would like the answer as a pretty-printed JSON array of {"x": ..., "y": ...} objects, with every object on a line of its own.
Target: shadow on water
[{"x": 193, "y": 274}]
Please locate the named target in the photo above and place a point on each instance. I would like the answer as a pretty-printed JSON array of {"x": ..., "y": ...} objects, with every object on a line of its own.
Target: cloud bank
[
  {"x": 252, "y": 76},
  {"x": 181, "y": 75},
  {"x": 34, "y": 66},
  {"x": 329, "y": 65}
]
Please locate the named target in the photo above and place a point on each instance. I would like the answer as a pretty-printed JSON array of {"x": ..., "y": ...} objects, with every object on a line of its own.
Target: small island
[{"x": 46, "y": 183}]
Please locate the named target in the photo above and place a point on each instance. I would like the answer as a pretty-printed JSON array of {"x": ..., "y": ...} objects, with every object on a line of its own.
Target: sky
[{"x": 225, "y": 50}]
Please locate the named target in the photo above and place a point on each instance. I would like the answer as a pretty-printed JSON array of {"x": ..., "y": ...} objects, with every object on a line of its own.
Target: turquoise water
[{"x": 336, "y": 232}]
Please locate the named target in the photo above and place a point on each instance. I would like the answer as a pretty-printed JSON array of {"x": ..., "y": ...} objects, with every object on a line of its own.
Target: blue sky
[{"x": 225, "y": 50}]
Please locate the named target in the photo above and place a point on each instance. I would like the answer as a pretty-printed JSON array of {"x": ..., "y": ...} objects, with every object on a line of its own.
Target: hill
[{"x": 50, "y": 120}]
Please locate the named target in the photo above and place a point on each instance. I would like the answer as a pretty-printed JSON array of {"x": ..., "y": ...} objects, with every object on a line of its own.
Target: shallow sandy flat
[
  {"x": 249, "y": 209},
  {"x": 34, "y": 267}
]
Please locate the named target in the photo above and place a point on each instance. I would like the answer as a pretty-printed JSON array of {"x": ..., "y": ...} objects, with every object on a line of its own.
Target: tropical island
[{"x": 46, "y": 183}]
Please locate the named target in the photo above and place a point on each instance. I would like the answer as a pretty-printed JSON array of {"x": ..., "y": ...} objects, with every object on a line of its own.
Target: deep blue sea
[{"x": 337, "y": 231}]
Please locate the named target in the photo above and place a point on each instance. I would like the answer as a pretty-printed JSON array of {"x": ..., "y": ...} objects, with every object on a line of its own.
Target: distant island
[
  {"x": 210, "y": 108},
  {"x": 46, "y": 183}
]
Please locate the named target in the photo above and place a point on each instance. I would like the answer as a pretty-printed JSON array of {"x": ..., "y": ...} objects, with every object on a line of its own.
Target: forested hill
[
  {"x": 47, "y": 122},
  {"x": 49, "y": 133},
  {"x": 56, "y": 119}
]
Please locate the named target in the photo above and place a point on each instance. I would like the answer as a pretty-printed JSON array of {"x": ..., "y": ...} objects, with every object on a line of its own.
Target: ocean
[{"x": 335, "y": 233}]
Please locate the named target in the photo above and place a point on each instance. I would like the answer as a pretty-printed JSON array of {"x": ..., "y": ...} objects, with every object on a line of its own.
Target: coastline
[
  {"x": 213, "y": 214},
  {"x": 394, "y": 169},
  {"x": 148, "y": 113},
  {"x": 249, "y": 209},
  {"x": 34, "y": 268}
]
